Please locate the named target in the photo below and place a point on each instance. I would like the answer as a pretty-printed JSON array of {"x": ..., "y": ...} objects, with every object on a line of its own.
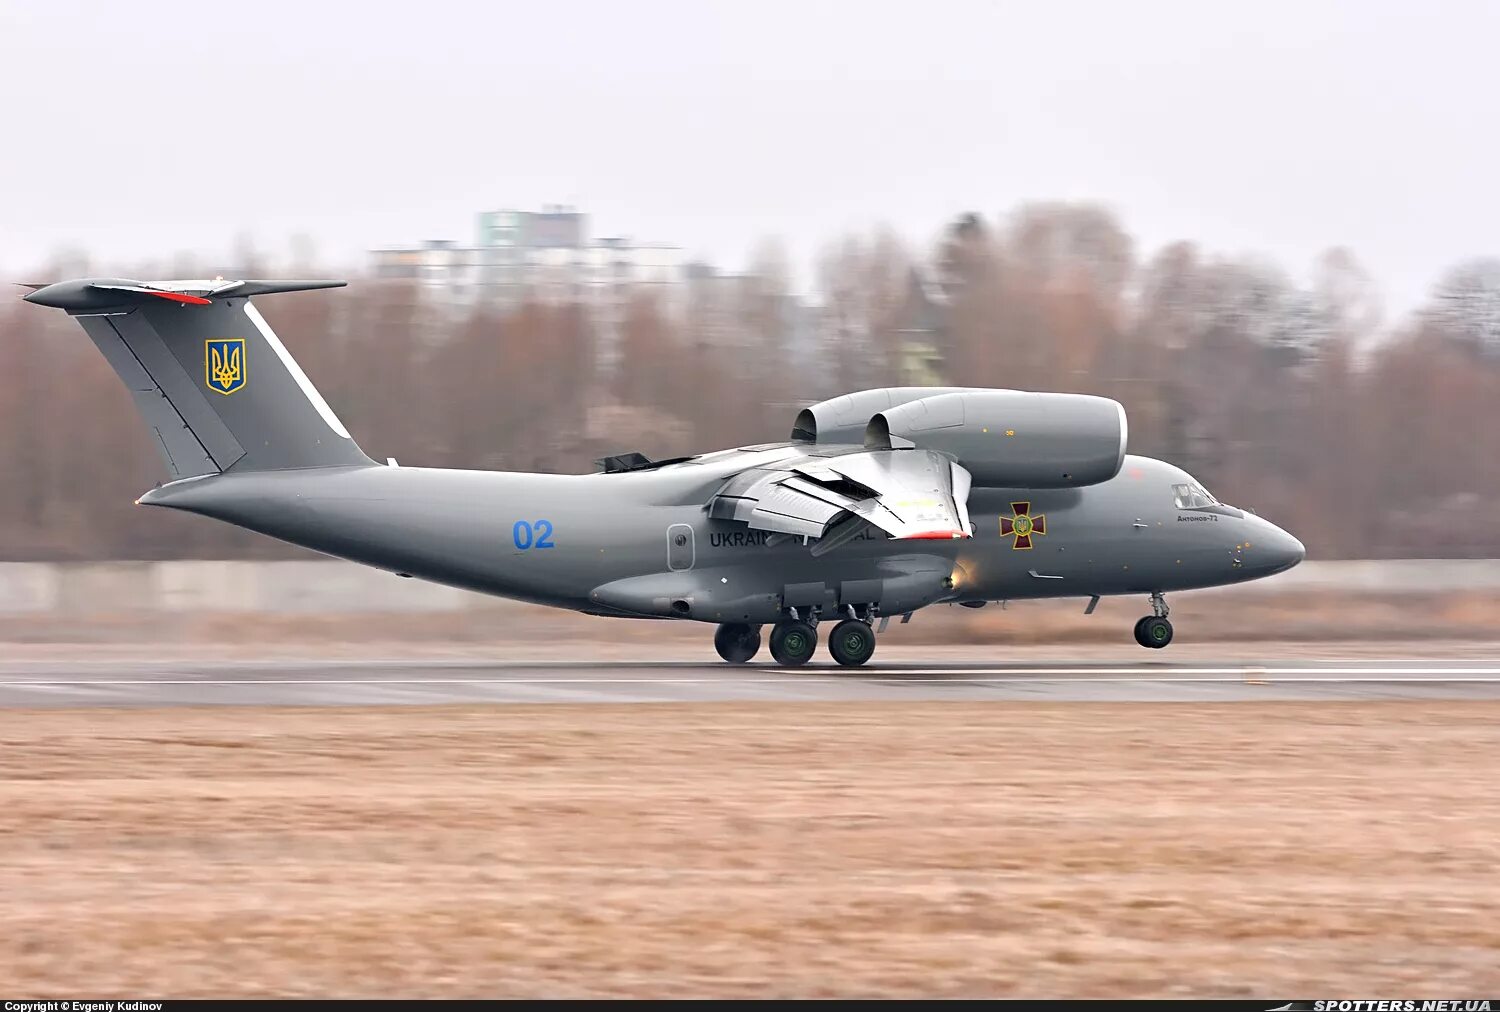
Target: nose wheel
[
  {"x": 737, "y": 642},
  {"x": 1154, "y": 631}
]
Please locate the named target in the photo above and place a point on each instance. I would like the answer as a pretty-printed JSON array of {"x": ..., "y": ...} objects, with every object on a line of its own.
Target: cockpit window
[{"x": 1192, "y": 497}]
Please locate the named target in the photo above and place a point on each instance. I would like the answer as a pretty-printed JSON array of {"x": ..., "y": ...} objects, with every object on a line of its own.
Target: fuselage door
[{"x": 680, "y": 549}]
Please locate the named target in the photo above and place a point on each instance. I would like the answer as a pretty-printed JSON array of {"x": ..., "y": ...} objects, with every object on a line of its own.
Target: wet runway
[{"x": 54, "y": 683}]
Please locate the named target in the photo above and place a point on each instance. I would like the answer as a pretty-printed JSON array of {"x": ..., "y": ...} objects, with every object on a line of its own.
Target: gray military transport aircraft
[{"x": 881, "y": 503}]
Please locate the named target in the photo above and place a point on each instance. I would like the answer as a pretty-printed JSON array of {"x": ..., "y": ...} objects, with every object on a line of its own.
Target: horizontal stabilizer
[{"x": 99, "y": 295}]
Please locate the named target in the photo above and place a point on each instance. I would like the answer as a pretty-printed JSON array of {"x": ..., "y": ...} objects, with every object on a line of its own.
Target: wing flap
[{"x": 907, "y": 493}]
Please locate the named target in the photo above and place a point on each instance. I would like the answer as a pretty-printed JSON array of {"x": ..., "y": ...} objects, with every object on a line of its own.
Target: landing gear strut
[
  {"x": 1154, "y": 631},
  {"x": 737, "y": 642},
  {"x": 793, "y": 642}
]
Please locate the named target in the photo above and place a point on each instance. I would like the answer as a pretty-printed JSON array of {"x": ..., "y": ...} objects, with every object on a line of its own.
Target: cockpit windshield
[{"x": 1192, "y": 497}]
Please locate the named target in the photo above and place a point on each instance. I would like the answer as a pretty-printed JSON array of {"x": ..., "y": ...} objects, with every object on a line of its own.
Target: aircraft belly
[{"x": 745, "y": 575}]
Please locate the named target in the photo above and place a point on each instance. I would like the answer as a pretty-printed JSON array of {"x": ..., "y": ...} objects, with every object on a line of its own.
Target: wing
[{"x": 907, "y": 493}]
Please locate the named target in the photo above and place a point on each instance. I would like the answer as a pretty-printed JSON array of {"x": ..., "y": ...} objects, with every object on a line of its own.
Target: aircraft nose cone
[
  {"x": 1279, "y": 551},
  {"x": 1294, "y": 550}
]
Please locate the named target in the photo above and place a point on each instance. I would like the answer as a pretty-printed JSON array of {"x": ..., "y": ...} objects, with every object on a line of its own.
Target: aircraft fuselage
[{"x": 641, "y": 544}]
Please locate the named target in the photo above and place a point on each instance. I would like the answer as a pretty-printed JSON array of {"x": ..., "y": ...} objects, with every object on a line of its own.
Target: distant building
[
  {"x": 713, "y": 307},
  {"x": 440, "y": 265},
  {"x": 546, "y": 254},
  {"x": 549, "y": 256}
]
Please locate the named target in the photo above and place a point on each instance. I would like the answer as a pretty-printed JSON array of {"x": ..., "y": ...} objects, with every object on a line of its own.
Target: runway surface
[{"x": 58, "y": 683}]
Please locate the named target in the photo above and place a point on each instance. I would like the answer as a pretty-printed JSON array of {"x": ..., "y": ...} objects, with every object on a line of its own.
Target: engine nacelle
[
  {"x": 843, "y": 419},
  {"x": 1011, "y": 438}
]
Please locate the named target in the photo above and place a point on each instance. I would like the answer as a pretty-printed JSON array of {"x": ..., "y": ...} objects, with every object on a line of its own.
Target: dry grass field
[{"x": 753, "y": 849}]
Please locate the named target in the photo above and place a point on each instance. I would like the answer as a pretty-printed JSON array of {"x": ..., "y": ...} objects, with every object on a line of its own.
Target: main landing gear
[
  {"x": 852, "y": 642},
  {"x": 1154, "y": 631},
  {"x": 737, "y": 642},
  {"x": 794, "y": 640}
]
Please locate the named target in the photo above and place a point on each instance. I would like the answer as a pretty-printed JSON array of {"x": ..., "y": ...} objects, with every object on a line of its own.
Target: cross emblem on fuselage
[{"x": 1022, "y": 525}]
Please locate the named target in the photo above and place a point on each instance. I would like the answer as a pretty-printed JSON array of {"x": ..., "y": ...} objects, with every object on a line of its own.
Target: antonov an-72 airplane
[{"x": 881, "y": 503}]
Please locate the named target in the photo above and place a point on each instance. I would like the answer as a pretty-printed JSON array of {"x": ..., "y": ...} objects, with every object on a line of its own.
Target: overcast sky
[{"x": 140, "y": 129}]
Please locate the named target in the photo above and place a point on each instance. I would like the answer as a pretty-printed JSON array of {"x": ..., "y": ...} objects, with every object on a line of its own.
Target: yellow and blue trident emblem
[{"x": 224, "y": 364}]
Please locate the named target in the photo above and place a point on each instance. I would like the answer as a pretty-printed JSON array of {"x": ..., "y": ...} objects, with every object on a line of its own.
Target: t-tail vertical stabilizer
[{"x": 215, "y": 385}]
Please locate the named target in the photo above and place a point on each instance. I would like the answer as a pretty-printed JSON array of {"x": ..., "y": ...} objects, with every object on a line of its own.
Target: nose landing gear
[{"x": 1154, "y": 631}]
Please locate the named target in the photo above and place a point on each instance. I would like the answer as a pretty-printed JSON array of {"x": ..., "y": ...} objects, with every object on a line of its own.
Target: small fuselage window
[{"x": 1192, "y": 497}]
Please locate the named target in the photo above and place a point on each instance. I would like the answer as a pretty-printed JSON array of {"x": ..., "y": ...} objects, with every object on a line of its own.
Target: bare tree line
[{"x": 1366, "y": 437}]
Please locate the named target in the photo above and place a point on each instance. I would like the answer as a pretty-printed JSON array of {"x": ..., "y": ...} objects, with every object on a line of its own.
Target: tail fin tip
[{"x": 86, "y": 295}]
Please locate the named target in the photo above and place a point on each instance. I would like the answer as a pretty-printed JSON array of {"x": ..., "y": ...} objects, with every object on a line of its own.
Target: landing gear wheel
[
  {"x": 852, "y": 642},
  {"x": 1153, "y": 632},
  {"x": 793, "y": 643},
  {"x": 737, "y": 642}
]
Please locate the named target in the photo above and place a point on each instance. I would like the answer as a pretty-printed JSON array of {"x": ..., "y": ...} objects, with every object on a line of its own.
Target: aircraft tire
[
  {"x": 1140, "y": 636},
  {"x": 737, "y": 642},
  {"x": 793, "y": 643},
  {"x": 1155, "y": 632},
  {"x": 852, "y": 642}
]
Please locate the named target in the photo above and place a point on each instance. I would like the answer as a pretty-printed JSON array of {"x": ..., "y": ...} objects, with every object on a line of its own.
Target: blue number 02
[{"x": 537, "y": 535}]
